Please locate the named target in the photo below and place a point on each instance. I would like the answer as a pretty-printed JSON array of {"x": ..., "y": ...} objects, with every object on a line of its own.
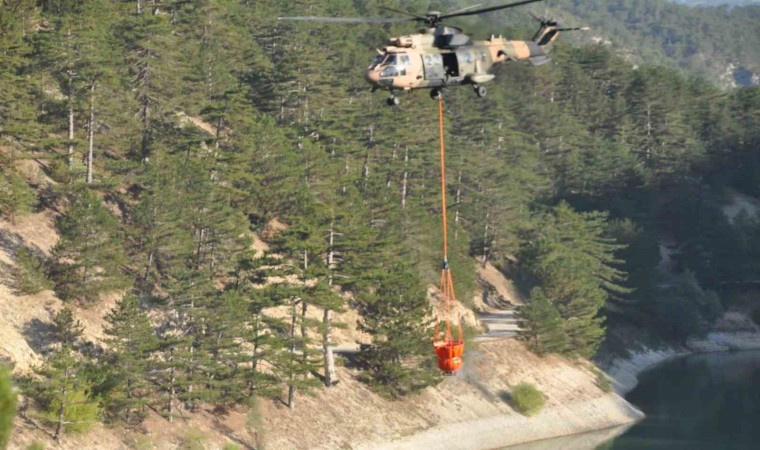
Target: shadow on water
[{"x": 708, "y": 401}]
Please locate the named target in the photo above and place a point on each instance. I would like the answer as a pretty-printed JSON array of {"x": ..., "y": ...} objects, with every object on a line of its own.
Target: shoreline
[
  {"x": 623, "y": 372},
  {"x": 607, "y": 412}
]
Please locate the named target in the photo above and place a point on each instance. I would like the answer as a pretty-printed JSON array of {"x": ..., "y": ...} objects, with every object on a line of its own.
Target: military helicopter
[{"x": 440, "y": 56}]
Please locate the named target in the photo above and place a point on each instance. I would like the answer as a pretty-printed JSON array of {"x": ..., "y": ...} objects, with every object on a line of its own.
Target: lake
[{"x": 706, "y": 401}]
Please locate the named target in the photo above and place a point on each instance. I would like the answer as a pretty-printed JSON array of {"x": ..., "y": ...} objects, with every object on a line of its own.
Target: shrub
[
  {"x": 194, "y": 440},
  {"x": 601, "y": 380},
  {"x": 16, "y": 197},
  {"x": 30, "y": 273},
  {"x": 142, "y": 443},
  {"x": 81, "y": 413},
  {"x": 231, "y": 446},
  {"x": 526, "y": 399},
  {"x": 7, "y": 406},
  {"x": 36, "y": 445}
]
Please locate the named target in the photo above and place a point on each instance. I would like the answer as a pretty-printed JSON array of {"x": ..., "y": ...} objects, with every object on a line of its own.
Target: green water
[
  {"x": 700, "y": 402},
  {"x": 708, "y": 401}
]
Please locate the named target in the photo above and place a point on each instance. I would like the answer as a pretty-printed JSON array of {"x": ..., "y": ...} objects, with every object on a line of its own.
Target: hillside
[
  {"x": 475, "y": 400},
  {"x": 716, "y": 2},
  {"x": 717, "y": 43},
  {"x": 199, "y": 203}
]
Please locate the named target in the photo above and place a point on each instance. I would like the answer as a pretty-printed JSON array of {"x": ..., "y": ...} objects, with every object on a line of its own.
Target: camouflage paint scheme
[{"x": 443, "y": 56}]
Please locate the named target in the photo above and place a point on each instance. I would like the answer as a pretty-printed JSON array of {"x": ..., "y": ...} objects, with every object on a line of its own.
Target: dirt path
[
  {"x": 496, "y": 305},
  {"x": 499, "y": 325}
]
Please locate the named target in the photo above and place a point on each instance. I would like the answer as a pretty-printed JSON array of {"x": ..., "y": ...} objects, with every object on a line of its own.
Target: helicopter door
[
  {"x": 451, "y": 65},
  {"x": 433, "y": 65},
  {"x": 466, "y": 60}
]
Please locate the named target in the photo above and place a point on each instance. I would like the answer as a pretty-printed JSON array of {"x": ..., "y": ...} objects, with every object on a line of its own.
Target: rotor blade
[
  {"x": 538, "y": 19},
  {"x": 574, "y": 29},
  {"x": 485, "y": 10},
  {"x": 464, "y": 9},
  {"x": 398, "y": 11},
  {"x": 346, "y": 20}
]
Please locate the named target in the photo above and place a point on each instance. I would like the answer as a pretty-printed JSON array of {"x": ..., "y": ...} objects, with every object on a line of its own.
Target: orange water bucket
[{"x": 449, "y": 353}]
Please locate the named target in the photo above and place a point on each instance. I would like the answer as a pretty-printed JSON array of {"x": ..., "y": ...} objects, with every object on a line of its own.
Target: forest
[{"x": 572, "y": 178}]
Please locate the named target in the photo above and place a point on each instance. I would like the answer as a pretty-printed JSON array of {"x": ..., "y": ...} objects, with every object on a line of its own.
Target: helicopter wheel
[
  {"x": 393, "y": 101},
  {"x": 435, "y": 94},
  {"x": 481, "y": 91}
]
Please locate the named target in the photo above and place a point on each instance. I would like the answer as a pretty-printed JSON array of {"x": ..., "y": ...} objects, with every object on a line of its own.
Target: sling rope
[{"x": 448, "y": 350}]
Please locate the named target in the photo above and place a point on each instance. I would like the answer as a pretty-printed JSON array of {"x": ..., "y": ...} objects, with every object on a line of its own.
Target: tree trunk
[
  {"x": 71, "y": 118},
  {"x": 145, "y": 113},
  {"x": 148, "y": 266},
  {"x": 172, "y": 393},
  {"x": 405, "y": 181},
  {"x": 328, "y": 351},
  {"x": 329, "y": 359},
  {"x": 304, "y": 306},
  {"x": 365, "y": 170},
  {"x": 91, "y": 133},
  {"x": 304, "y": 353},
  {"x": 62, "y": 411},
  {"x": 458, "y": 196},
  {"x": 291, "y": 385},
  {"x": 255, "y": 352},
  {"x": 486, "y": 247},
  {"x": 346, "y": 168},
  {"x": 292, "y": 397},
  {"x": 456, "y": 225}
]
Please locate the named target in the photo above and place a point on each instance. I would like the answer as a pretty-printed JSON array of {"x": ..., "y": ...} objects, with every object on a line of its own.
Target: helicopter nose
[{"x": 372, "y": 76}]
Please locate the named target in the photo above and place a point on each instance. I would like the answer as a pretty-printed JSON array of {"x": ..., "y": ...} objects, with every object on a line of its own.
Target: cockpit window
[
  {"x": 378, "y": 59},
  {"x": 389, "y": 72},
  {"x": 394, "y": 65}
]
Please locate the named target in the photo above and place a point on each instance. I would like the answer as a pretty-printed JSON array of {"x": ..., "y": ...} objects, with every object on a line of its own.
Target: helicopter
[{"x": 440, "y": 56}]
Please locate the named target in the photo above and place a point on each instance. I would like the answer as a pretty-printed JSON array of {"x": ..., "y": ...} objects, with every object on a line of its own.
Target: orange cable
[
  {"x": 443, "y": 178},
  {"x": 447, "y": 287}
]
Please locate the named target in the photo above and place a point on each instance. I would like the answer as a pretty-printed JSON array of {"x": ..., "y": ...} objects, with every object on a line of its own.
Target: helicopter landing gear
[
  {"x": 480, "y": 91},
  {"x": 393, "y": 100},
  {"x": 435, "y": 94}
]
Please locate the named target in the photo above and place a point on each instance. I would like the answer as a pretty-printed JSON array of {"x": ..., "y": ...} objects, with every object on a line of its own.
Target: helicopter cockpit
[{"x": 390, "y": 64}]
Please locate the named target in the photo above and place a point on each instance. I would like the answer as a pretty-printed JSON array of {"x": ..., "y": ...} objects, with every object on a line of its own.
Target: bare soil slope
[{"x": 471, "y": 410}]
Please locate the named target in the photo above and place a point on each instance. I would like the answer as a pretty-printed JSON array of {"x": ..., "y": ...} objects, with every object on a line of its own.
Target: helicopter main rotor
[{"x": 431, "y": 19}]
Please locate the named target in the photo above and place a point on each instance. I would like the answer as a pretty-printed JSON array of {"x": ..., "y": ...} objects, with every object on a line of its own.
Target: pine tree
[
  {"x": 63, "y": 392},
  {"x": 395, "y": 312},
  {"x": 16, "y": 197},
  {"x": 294, "y": 360},
  {"x": 305, "y": 250},
  {"x": 18, "y": 103},
  {"x": 90, "y": 252},
  {"x": 573, "y": 261},
  {"x": 159, "y": 237},
  {"x": 320, "y": 248},
  {"x": 541, "y": 325},
  {"x": 132, "y": 343},
  {"x": 226, "y": 381},
  {"x": 7, "y": 406},
  {"x": 247, "y": 281},
  {"x": 30, "y": 272}
]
